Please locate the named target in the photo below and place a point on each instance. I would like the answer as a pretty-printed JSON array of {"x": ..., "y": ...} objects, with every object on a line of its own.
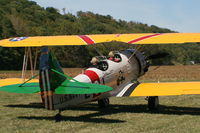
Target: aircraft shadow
[
  {"x": 30, "y": 105},
  {"x": 83, "y": 118},
  {"x": 112, "y": 109},
  {"x": 141, "y": 108},
  {"x": 120, "y": 108}
]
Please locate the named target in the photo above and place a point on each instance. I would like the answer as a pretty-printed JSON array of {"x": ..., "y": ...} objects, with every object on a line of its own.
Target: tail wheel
[
  {"x": 104, "y": 102},
  {"x": 153, "y": 102}
]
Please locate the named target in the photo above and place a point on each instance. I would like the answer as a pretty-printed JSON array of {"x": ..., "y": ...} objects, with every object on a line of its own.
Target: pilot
[
  {"x": 112, "y": 57},
  {"x": 94, "y": 61}
]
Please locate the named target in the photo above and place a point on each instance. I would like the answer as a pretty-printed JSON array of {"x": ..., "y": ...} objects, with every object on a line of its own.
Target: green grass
[
  {"x": 177, "y": 114},
  {"x": 24, "y": 114}
]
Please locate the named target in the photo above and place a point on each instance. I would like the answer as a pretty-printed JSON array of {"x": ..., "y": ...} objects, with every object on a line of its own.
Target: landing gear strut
[
  {"x": 103, "y": 103},
  {"x": 153, "y": 102},
  {"x": 58, "y": 116}
]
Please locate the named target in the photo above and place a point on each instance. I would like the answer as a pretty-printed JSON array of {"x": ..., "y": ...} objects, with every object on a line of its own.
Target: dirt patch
[
  {"x": 155, "y": 73},
  {"x": 173, "y": 73}
]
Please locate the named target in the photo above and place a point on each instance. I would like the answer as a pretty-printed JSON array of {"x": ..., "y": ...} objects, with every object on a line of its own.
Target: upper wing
[
  {"x": 145, "y": 38},
  {"x": 166, "y": 89}
]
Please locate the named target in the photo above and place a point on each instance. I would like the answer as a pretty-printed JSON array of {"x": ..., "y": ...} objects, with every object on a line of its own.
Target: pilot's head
[
  {"x": 111, "y": 54},
  {"x": 94, "y": 61}
]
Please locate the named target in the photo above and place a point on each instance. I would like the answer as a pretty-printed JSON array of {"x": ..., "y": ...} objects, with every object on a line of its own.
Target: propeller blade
[{"x": 157, "y": 56}]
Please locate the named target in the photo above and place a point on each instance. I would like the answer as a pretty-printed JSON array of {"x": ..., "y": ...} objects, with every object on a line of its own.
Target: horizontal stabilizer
[
  {"x": 69, "y": 87},
  {"x": 26, "y": 88}
]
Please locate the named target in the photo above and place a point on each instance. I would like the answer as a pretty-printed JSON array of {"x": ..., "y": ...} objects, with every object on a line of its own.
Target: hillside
[{"x": 26, "y": 18}]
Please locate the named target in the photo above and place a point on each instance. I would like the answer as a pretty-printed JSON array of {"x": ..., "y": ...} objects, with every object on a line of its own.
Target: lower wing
[
  {"x": 163, "y": 89},
  {"x": 11, "y": 81},
  {"x": 166, "y": 89}
]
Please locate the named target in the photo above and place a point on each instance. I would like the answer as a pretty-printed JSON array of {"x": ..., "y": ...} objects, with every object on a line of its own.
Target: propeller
[{"x": 158, "y": 56}]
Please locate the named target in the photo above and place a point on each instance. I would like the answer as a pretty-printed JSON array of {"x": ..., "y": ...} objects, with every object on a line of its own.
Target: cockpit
[
  {"x": 114, "y": 56},
  {"x": 101, "y": 62}
]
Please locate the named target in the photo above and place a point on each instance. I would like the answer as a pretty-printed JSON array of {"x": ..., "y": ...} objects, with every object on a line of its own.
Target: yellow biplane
[{"x": 113, "y": 75}]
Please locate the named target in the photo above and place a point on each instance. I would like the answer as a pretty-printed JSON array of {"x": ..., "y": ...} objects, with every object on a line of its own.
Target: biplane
[{"x": 115, "y": 75}]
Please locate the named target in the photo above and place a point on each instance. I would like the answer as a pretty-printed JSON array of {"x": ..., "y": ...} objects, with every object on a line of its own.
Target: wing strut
[{"x": 29, "y": 59}]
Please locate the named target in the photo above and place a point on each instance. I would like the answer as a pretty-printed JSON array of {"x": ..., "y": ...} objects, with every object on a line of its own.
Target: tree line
[{"x": 27, "y": 18}]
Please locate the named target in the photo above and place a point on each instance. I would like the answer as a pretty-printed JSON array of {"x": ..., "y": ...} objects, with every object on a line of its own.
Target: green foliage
[
  {"x": 26, "y": 18},
  {"x": 11, "y": 58}
]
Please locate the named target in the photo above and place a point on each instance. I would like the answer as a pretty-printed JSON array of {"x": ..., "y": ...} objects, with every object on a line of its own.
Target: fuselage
[{"x": 130, "y": 65}]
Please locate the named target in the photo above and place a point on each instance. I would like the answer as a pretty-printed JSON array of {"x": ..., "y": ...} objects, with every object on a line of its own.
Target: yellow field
[{"x": 155, "y": 73}]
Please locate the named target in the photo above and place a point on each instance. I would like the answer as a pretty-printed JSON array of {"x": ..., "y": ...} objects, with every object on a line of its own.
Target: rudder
[{"x": 48, "y": 79}]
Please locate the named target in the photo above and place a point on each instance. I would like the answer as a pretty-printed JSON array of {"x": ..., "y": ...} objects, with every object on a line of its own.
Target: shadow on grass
[
  {"x": 30, "y": 105},
  {"x": 83, "y": 118},
  {"x": 120, "y": 108},
  {"x": 112, "y": 109},
  {"x": 140, "y": 108}
]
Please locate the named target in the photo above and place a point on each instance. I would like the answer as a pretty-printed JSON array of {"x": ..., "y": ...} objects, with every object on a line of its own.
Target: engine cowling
[{"x": 137, "y": 59}]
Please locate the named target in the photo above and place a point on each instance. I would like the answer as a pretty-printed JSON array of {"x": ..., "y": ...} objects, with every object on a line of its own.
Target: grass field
[{"x": 177, "y": 114}]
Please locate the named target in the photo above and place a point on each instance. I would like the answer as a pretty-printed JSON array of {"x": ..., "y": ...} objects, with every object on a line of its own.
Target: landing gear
[
  {"x": 103, "y": 103},
  {"x": 58, "y": 116},
  {"x": 153, "y": 102}
]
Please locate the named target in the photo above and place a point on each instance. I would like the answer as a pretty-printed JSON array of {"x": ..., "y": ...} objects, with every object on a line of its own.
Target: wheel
[
  {"x": 104, "y": 102},
  {"x": 153, "y": 102},
  {"x": 104, "y": 66}
]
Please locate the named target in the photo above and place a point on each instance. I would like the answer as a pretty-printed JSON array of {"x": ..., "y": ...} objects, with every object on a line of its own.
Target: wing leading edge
[{"x": 143, "y": 38}]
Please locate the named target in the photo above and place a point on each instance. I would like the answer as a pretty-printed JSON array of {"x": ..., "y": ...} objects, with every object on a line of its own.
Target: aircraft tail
[
  {"x": 57, "y": 92},
  {"x": 49, "y": 80}
]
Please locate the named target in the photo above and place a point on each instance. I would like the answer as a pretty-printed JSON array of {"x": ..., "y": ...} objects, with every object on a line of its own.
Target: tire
[
  {"x": 153, "y": 103},
  {"x": 103, "y": 103}
]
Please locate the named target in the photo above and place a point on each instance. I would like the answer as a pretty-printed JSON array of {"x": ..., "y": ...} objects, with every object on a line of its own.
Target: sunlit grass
[{"x": 22, "y": 113}]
